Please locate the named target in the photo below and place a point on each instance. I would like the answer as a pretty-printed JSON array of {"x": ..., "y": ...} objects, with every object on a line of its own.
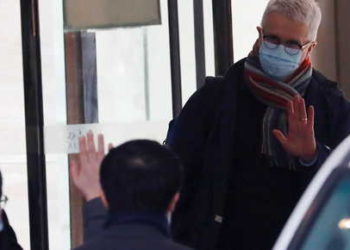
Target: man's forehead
[{"x": 284, "y": 27}]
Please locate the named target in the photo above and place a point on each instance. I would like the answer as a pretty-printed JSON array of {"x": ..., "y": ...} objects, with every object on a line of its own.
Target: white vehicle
[{"x": 321, "y": 219}]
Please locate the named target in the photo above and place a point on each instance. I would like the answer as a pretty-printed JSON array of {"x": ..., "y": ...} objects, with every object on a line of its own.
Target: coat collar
[{"x": 158, "y": 221}]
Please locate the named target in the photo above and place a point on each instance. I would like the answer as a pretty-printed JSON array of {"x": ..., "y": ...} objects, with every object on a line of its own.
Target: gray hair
[{"x": 304, "y": 11}]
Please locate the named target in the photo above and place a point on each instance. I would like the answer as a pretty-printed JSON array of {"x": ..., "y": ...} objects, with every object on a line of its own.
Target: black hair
[{"x": 140, "y": 175}]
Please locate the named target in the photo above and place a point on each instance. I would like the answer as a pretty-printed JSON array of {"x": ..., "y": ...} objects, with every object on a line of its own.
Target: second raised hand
[{"x": 85, "y": 168}]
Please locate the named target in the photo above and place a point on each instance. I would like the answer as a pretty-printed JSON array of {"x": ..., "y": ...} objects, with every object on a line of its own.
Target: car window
[{"x": 330, "y": 222}]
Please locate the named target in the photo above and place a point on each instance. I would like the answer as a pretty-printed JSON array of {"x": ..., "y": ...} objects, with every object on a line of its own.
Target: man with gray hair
[{"x": 251, "y": 141}]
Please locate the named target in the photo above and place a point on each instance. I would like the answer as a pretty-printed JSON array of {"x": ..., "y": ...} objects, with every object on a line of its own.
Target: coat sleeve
[
  {"x": 338, "y": 116},
  {"x": 187, "y": 137},
  {"x": 8, "y": 239},
  {"x": 94, "y": 218}
]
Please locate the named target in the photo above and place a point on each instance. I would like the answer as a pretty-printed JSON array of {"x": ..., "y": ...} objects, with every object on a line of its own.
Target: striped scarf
[{"x": 276, "y": 94}]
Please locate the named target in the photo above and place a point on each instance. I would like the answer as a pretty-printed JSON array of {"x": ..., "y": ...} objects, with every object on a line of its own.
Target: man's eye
[
  {"x": 293, "y": 45},
  {"x": 272, "y": 39}
]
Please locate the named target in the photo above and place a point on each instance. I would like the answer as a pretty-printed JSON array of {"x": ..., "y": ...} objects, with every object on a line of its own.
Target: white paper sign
[{"x": 65, "y": 138}]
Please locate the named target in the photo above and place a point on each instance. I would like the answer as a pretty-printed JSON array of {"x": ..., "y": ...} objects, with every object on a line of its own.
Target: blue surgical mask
[{"x": 277, "y": 63}]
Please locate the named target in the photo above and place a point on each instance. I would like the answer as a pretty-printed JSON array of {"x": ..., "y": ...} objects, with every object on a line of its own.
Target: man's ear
[
  {"x": 173, "y": 202},
  {"x": 259, "y": 29},
  {"x": 257, "y": 43},
  {"x": 311, "y": 48}
]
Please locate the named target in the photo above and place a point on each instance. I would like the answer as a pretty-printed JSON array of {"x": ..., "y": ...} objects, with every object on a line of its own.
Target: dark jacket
[
  {"x": 131, "y": 233},
  {"x": 203, "y": 136},
  {"x": 8, "y": 240}
]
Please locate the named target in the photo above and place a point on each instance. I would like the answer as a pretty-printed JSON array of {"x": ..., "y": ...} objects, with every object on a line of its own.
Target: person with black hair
[
  {"x": 8, "y": 240},
  {"x": 138, "y": 182}
]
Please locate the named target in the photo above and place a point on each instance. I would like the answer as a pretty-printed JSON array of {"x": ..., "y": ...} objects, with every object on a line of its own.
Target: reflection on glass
[
  {"x": 344, "y": 224},
  {"x": 327, "y": 231}
]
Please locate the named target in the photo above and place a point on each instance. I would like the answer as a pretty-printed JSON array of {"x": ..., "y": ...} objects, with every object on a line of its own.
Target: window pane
[
  {"x": 133, "y": 77},
  {"x": 54, "y": 102},
  {"x": 246, "y": 16},
  {"x": 118, "y": 79},
  {"x": 133, "y": 74},
  {"x": 12, "y": 125},
  {"x": 187, "y": 50},
  {"x": 209, "y": 37},
  {"x": 187, "y": 45},
  {"x": 331, "y": 230}
]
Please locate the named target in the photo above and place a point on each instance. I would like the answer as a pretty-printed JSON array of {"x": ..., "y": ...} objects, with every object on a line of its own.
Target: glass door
[{"x": 115, "y": 81}]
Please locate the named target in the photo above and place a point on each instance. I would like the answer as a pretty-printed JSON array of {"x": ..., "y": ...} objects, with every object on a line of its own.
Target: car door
[{"x": 321, "y": 219}]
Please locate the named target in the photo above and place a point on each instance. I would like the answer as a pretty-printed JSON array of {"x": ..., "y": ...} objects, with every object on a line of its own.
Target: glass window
[
  {"x": 134, "y": 79},
  {"x": 12, "y": 122},
  {"x": 116, "y": 81},
  {"x": 246, "y": 16},
  {"x": 331, "y": 226},
  {"x": 54, "y": 102},
  {"x": 187, "y": 50},
  {"x": 209, "y": 37},
  {"x": 187, "y": 45},
  {"x": 133, "y": 73}
]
